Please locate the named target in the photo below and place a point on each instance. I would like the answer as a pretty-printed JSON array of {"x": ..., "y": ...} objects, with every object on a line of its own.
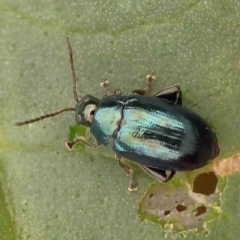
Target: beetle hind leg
[
  {"x": 172, "y": 94},
  {"x": 159, "y": 174},
  {"x": 132, "y": 183}
]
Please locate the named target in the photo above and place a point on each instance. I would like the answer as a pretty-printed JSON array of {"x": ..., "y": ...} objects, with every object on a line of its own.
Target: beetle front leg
[
  {"x": 83, "y": 140},
  {"x": 132, "y": 183},
  {"x": 149, "y": 79},
  {"x": 105, "y": 84}
]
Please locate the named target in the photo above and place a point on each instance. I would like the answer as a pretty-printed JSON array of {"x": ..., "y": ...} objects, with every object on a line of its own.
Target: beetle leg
[
  {"x": 105, "y": 84},
  {"x": 138, "y": 92},
  {"x": 172, "y": 94},
  {"x": 171, "y": 175},
  {"x": 132, "y": 183},
  {"x": 149, "y": 79},
  {"x": 159, "y": 174},
  {"x": 117, "y": 92},
  {"x": 83, "y": 140}
]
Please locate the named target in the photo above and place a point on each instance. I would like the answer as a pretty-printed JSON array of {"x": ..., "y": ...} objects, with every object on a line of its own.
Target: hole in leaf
[
  {"x": 151, "y": 195},
  {"x": 205, "y": 183},
  {"x": 181, "y": 208},
  {"x": 167, "y": 212},
  {"x": 200, "y": 210}
]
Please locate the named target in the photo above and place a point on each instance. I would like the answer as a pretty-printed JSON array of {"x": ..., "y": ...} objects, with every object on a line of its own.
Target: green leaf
[{"x": 48, "y": 192}]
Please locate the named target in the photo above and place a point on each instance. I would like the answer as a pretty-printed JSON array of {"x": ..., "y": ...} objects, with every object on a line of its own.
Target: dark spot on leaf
[
  {"x": 181, "y": 208},
  {"x": 167, "y": 212},
  {"x": 200, "y": 210},
  {"x": 205, "y": 183},
  {"x": 151, "y": 195}
]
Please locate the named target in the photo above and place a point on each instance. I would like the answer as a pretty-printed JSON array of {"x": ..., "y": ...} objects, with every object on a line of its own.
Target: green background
[{"x": 50, "y": 193}]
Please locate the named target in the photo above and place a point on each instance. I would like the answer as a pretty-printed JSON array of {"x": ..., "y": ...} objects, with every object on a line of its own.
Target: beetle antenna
[
  {"x": 73, "y": 70},
  {"x": 45, "y": 116}
]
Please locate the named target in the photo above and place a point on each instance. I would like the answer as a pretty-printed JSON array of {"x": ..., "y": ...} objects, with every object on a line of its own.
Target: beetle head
[{"x": 85, "y": 108}]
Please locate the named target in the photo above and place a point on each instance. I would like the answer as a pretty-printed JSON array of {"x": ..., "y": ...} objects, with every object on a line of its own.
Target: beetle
[{"x": 155, "y": 131}]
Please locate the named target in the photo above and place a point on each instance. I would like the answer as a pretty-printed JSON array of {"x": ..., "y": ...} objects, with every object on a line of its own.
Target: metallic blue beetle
[{"x": 155, "y": 131}]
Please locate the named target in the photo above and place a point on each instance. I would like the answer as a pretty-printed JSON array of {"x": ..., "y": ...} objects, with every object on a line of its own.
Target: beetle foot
[
  {"x": 132, "y": 185},
  {"x": 150, "y": 79},
  {"x": 69, "y": 145},
  {"x": 104, "y": 84}
]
